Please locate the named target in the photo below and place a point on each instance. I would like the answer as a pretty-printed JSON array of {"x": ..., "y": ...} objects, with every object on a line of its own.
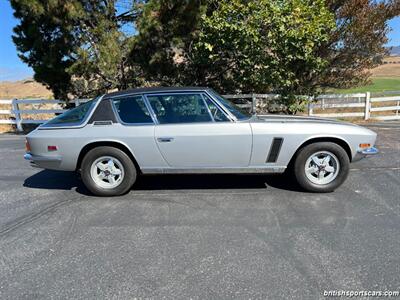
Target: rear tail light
[
  {"x": 51, "y": 148},
  {"x": 27, "y": 146}
]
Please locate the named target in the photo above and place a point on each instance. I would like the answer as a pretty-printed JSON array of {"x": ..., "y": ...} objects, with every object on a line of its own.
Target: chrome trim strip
[
  {"x": 362, "y": 153},
  {"x": 217, "y": 105},
  {"x": 248, "y": 170},
  {"x": 212, "y": 98},
  {"x": 150, "y": 108},
  {"x": 208, "y": 109},
  {"x": 222, "y": 107},
  {"x": 160, "y": 92}
]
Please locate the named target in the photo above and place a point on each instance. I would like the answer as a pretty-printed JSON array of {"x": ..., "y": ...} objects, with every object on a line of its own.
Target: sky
[{"x": 12, "y": 68}]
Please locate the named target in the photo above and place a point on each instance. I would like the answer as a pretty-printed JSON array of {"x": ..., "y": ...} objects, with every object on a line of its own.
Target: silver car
[{"x": 118, "y": 136}]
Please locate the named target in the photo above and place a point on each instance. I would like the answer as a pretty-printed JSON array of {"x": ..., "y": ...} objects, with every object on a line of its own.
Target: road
[{"x": 199, "y": 237}]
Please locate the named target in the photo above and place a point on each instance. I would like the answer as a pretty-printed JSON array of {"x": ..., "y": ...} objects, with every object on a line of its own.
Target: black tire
[
  {"x": 130, "y": 172},
  {"x": 305, "y": 153}
]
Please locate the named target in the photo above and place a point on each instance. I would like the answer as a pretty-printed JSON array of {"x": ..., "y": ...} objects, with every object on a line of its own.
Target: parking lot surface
[{"x": 199, "y": 237}]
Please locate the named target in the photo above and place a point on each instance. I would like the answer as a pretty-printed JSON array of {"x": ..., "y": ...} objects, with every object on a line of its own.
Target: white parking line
[{"x": 375, "y": 168}]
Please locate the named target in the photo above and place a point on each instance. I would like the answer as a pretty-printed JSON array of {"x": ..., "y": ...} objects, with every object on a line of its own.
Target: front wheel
[
  {"x": 321, "y": 167},
  {"x": 108, "y": 171}
]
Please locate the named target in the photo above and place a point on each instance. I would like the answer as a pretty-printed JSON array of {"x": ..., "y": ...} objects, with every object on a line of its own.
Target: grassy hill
[
  {"x": 378, "y": 84},
  {"x": 384, "y": 78}
]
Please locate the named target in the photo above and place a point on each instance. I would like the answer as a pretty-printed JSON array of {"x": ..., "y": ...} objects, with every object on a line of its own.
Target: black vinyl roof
[{"x": 154, "y": 90}]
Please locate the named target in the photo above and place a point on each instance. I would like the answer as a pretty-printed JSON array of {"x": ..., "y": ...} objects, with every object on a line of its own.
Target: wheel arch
[
  {"x": 116, "y": 144},
  {"x": 341, "y": 142}
]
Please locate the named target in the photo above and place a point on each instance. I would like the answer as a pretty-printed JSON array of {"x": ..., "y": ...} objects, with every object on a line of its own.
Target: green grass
[{"x": 378, "y": 85}]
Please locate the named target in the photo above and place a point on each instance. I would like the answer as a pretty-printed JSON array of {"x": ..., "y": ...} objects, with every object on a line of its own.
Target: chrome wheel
[
  {"x": 107, "y": 172},
  {"x": 322, "y": 167}
]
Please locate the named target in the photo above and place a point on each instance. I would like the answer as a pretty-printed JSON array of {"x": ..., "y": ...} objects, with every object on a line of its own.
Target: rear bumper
[
  {"x": 365, "y": 152},
  {"x": 45, "y": 162}
]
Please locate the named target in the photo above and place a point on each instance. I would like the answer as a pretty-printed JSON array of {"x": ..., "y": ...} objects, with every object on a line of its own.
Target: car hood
[{"x": 295, "y": 119}]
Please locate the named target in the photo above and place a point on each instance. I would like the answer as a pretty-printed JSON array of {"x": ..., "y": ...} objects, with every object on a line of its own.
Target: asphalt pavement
[{"x": 199, "y": 237}]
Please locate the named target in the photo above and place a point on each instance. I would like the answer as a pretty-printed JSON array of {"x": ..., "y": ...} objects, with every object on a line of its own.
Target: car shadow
[
  {"x": 58, "y": 180},
  {"x": 214, "y": 181}
]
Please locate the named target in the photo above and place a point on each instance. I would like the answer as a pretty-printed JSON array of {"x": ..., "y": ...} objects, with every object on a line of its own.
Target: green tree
[
  {"x": 77, "y": 47},
  {"x": 167, "y": 30},
  {"x": 235, "y": 45},
  {"x": 45, "y": 40},
  {"x": 100, "y": 61},
  {"x": 358, "y": 42},
  {"x": 288, "y": 47}
]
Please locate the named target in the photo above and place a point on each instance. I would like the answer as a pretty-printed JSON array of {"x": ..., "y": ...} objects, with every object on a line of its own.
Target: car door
[
  {"x": 136, "y": 130},
  {"x": 193, "y": 132}
]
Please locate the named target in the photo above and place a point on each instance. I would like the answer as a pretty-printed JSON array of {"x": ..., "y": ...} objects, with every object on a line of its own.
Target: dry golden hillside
[
  {"x": 21, "y": 89},
  {"x": 31, "y": 89},
  {"x": 390, "y": 68}
]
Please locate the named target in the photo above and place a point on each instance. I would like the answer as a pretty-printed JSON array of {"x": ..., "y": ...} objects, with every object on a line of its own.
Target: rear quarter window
[{"x": 73, "y": 116}]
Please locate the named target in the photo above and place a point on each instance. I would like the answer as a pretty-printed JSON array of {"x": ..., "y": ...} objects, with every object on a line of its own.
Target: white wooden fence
[
  {"x": 367, "y": 106},
  {"x": 331, "y": 106},
  {"x": 15, "y": 112}
]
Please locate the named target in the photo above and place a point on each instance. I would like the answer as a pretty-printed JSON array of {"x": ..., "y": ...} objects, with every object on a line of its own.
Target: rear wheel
[
  {"x": 108, "y": 171},
  {"x": 321, "y": 167}
]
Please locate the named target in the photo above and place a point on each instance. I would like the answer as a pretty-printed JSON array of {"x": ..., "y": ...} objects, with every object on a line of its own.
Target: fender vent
[{"x": 275, "y": 149}]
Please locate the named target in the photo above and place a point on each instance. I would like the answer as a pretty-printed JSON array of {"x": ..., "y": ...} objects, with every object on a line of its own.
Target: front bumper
[
  {"x": 369, "y": 151},
  {"x": 45, "y": 162},
  {"x": 365, "y": 152}
]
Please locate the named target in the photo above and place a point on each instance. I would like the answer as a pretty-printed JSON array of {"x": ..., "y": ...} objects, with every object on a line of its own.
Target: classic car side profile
[{"x": 117, "y": 136}]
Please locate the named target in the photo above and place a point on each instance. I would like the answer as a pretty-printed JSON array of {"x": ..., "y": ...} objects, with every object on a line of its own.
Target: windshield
[
  {"x": 235, "y": 110},
  {"x": 73, "y": 116}
]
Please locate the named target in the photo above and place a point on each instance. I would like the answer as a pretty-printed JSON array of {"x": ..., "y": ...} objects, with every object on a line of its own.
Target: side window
[
  {"x": 132, "y": 110},
  {"x": 179, "y": 108},
  {"x": 216, "y": 112}
]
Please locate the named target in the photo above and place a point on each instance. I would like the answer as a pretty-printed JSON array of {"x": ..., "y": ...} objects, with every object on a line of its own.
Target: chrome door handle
[{"x": 165, "y": 139}]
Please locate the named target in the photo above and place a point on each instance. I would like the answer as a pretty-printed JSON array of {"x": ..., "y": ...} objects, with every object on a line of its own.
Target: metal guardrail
[{"x": 370, "y": 105}]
